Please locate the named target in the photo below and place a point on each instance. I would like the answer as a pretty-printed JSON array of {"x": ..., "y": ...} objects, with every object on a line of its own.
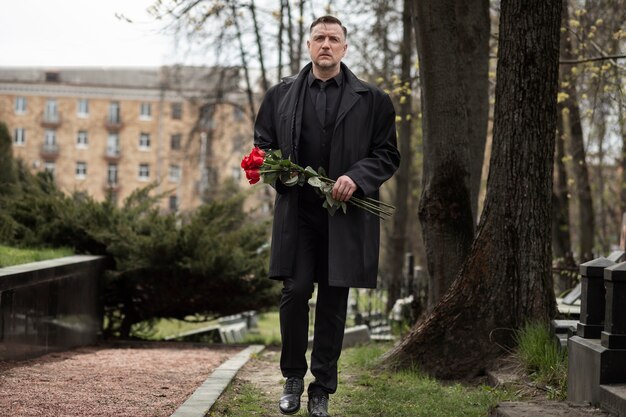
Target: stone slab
[
  {"x": 352, "y": 336},
  {"x": 500, "y": 377},
  {"x": 589, "y": 365},
  {"x": 544, "y": 409},
  {"x": 201, "y": 401},
  {"x": 613, "y": 399}
]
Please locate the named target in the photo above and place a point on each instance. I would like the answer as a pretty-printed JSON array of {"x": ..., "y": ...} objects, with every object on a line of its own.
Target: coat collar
[
  {"x": 290, "y": 108},
  {"x": 350, "y": 78}
]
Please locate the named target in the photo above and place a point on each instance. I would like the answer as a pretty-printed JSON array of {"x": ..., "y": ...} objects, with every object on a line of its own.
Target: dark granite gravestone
[
  {"x": 614, "y": 334},
  {"x": 592, "y": 298}
]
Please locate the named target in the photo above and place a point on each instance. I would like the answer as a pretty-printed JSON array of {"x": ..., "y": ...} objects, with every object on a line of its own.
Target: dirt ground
[{"x": 122, "y": 380}]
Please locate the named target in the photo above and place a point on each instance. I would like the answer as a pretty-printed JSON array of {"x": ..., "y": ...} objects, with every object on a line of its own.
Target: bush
[
  {"x": 165, "y": 265},
  {"x": 7, "y": 170}
]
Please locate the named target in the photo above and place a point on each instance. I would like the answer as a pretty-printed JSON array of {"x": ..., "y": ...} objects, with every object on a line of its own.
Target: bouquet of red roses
[{"x": 270, "y": 166}]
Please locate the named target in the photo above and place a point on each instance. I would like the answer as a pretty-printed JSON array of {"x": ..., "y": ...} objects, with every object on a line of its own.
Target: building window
[
  {"x": 173, "y": 203},
  {"x": 175, "y": 173},
  {"x": 50, "y": 137},
  {"x": 112, "y": 174},
  {"x": 145, "y": 111},
  {"x": 52, "y": 77},
  {"x": 49, "y": 166},
  {"x": 19, "y": 136},
  {"x": 83, "y": 107},
  {"x": 177, "y": 110},
  {"x": 144, "y": 172},
  {"x": 20, "y": 105},
  {"x": 113, "y": 145},
  {"x": 114, "y": 112},
  {"x": 175, "y": 141},
  {"x": 144, "y": 141},
  {"x": 82, "y": 139},
  {"x": 81, "y": 170},
  {"x": 51, "y": 113}
]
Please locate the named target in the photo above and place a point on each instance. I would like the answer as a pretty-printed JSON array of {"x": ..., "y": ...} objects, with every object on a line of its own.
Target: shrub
[{"x": 164, "y": 265}]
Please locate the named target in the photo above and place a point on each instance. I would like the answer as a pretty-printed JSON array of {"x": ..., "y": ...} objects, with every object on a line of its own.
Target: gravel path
[{"x": 138, "y": 380}]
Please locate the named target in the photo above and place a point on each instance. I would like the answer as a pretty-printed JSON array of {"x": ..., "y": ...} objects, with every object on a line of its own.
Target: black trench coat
[{"x": 363, "y": 147}]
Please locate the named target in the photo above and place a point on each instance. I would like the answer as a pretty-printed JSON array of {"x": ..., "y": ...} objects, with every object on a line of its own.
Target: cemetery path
[
  {"x": 127, "y": 379},
  {"x": 263, "y": 374}
]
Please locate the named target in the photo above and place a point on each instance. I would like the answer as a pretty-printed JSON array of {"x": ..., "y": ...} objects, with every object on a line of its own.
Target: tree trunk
[
  {"x": 444, "y": 44},
  {"x": 474, "y": 30},
  {"x": 621, "y": 119},
  {"x": 604, "y": 239},
  {"x": 244, "y": 63},
  {"x": 561, "y": 237},
  {"x": 403, "y": 176},
  {"x": 506, "y": 279},
  {"x": 281, "y": 28},
  {"x": 577, "y": 151},
  {"x": 562, "y": 254},
  {"x": 259, "y": 44}
]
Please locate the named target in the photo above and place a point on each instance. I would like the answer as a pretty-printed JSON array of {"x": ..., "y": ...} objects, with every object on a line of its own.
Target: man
[{"x": 324, "y": 117}]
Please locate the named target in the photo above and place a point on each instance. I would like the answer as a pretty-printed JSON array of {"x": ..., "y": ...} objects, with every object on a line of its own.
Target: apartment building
[{"x": 112, "y": 130}]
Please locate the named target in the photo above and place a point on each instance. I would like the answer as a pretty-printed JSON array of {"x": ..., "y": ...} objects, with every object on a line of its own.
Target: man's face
[{"x": 327, "y": 45}]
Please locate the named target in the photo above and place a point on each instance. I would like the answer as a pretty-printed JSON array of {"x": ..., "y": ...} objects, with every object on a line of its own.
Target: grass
[
  {"x": 365, "y": 390},
  {"x": 13, "y": 256},
  {"x": 267, "y": 333},
  {"x": 542, "y": 359}
]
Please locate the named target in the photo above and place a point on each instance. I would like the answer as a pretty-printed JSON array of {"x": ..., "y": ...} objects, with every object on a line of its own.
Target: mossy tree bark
[
  {"x": 453, "y": 48},
  {"x": 506, "y": 279}
]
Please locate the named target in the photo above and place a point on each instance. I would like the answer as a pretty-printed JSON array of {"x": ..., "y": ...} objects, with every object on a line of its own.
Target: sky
[{"x": 61, "y": 33}]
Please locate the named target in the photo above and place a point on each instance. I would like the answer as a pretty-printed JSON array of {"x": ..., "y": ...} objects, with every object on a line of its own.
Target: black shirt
[{"x": 333, "y": 90}]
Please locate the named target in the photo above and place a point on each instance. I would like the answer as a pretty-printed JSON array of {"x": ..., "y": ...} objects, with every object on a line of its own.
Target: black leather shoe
[
  {"x": 318, "y": 406},
  {"x": 290, "y": 400}
]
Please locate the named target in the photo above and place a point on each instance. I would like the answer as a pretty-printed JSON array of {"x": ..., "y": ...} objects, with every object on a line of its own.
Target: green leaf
[
  {"x": 310, "y": 172},
  {"x": 289, "y": 180},
  {"x": 331, "y": 209},
  {"x": 270, "y": 178},
  {"x": 315, "y": 182}
]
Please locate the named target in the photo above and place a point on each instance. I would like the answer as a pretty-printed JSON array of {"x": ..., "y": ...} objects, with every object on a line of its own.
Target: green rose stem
[{"x": 275, "y": 165}]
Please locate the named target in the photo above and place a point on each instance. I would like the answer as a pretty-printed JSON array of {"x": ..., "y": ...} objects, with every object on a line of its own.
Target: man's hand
[{"x": 344, "y": 188}]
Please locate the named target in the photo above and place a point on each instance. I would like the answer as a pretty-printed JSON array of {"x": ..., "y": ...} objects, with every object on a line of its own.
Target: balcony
[
  {"x": 49, "y": 151},
  {"x": 113, "y": 154},
  {"x": 113, "y": 186},
  {"x": 50, "y": 120},
  {"x": 113, "y": 123}
]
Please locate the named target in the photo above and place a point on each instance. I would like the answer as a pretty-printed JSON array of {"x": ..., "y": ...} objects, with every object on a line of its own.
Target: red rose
[
  {"x": 246, "y": 163},
  {"x": 253, "y": 175},
  {"x": 257, "y": 157}
]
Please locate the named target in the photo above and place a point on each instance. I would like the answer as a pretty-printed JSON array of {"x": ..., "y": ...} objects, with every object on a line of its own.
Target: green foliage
[
  {"x": 164, "y": 265},
  {"x": 7, "y": 170},
  {"x": 542, "y": 358},
  {"x": 15, "y": 256}
]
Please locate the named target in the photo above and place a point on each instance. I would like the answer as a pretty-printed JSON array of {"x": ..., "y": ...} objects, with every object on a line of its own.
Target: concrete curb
[{"x": 201, "y": 401}]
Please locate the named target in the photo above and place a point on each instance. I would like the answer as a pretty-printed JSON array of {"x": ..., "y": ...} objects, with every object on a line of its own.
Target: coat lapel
[
  {"x": 291, "y": 109},
  {"x": 350, "y": 95}
]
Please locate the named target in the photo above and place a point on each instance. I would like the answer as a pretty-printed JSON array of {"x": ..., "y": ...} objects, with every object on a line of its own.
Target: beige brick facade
[{"x": 159, "y": 145}]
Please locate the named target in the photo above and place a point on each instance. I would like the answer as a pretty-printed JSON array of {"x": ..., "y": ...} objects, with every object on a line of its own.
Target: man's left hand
[{"x": 344, "y": 188}]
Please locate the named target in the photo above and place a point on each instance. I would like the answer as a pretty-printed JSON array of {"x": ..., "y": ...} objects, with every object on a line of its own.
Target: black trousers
[{"x": 311, "y": 264}]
